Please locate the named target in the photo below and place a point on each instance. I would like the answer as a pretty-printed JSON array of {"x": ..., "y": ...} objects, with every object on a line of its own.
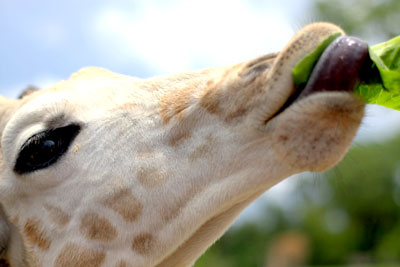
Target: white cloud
[{"x": 191, "y": 34}]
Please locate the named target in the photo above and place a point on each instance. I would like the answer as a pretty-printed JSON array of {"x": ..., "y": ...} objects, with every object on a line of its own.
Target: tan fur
[
  {"x": 151, "y": 177},
  {"x": 203, "y": 150},
  {"x": 179, "y": 203},
  {"x": 57, "y": 215},
  {"x": 125, "y": 204},
  {"x": 173, "y": 104},
  {"x": 178, "y": 135},
  {"x": 97, "y": 228},
  {"x": 123, "y": 264},
  {"x": 185, "y": 254},
  {"x": 74, "y": 255},
  {"x": 162, "y": 167},
  {"x": 232, "y": 99},
  {"x": 35, "y": 235},
  {"x": 143, "y": 243}
]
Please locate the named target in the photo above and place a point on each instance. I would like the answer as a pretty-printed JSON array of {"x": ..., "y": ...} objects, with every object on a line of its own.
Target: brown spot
[
  {"x": 283, "y": 138},
  {"x": 74, "y": 255},
  {"x": 57, "y": 215},
  {"x": 202, "y": 150},
  {"x": 232, "y": 96},
  {"x": 146, "y": 152},
  {"x": 240, "y": 112},
  {"x": 150, "y": 177},
  {"x": 211, "y": 99},
  {"x": 175, "y": 102},
  {"x": 125, "y": 107},
  {"x": 183, "y": 129},
  {"x": 143, "y": 243},
  {"x": 178, "y": 135},
  {"x": 123, "y": 263},
  {"x": 182, "y": 200},
  {"x": 97, "y": 228},
  {"x": 14, "y": 220},
  {"x": 1, "y": 161},
  {"x": 125, "y": 204},
  {"x": 146, "y": 155},
  {"x": 218, "y": 91},
  {"x": 34, "y": 233},
  {"x": 246, "y": 97},
  {"x": 32, "y": 259}
]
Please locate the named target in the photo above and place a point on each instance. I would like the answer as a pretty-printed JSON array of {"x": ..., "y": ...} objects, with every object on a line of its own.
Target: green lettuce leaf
[
  {"x": 386, "y": 57},
  {"x": 381, "y": 86},
  {"x": 377, "y": 94}
]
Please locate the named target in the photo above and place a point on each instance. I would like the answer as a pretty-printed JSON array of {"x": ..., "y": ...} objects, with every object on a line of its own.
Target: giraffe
[{"x": 105, "y": 169}]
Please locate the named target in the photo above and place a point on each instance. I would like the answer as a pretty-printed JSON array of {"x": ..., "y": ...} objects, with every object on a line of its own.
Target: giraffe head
[{"x": 108, "y": 170}]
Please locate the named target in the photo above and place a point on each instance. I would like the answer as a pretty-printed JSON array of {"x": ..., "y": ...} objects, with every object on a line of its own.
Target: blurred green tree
[{"x": 372, "y": 20}]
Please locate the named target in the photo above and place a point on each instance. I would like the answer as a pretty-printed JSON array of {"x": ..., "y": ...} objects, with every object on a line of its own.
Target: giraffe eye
[{"x": 45, "y": 148}]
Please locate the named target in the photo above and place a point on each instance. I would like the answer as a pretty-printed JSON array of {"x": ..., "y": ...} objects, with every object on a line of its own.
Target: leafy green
[
  {"x": 381, "y": 86},
  {"x": 377, "y": 94},
  {"x": 386, "y": 57}
]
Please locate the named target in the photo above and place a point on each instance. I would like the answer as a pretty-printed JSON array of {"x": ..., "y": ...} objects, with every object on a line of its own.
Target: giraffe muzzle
[{"x": 339, "y": 68}]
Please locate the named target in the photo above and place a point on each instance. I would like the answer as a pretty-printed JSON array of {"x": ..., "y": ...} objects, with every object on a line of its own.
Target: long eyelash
[{"x": 34, "y": 140}]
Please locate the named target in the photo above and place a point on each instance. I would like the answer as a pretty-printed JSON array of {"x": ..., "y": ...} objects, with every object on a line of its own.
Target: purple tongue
[{"x": 339, "y": 67}]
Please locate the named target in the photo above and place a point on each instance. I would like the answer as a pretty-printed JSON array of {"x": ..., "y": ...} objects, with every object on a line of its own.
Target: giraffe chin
[
  {"x": 314, "y": 133},
  {"x": 325, "y": 114}
]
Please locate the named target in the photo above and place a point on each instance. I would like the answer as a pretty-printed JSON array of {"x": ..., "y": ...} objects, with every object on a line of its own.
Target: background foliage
[{"x": 351, "y": 215}]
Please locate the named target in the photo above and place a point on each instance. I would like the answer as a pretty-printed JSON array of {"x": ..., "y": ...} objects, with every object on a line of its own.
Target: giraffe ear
[{"x": 28, "y": 90}]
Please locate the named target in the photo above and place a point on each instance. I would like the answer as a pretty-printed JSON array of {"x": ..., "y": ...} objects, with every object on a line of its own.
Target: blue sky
[{"x": 44, "y": 41}]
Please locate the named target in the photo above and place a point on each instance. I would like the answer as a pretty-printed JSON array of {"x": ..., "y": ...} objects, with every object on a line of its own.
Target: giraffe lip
[{"x": 338, "y": 69}]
